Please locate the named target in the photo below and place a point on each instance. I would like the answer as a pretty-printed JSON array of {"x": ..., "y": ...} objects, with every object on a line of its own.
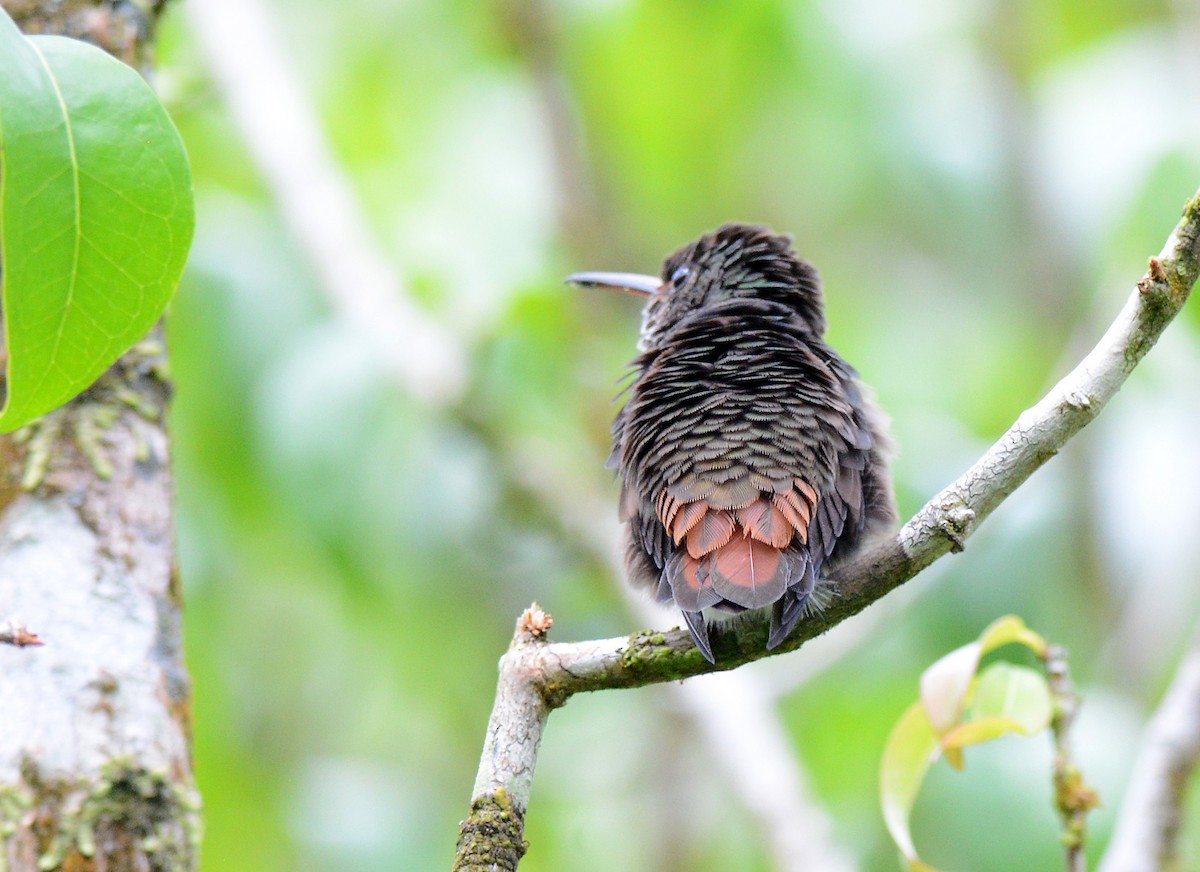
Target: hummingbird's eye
[{"x": 680, "y": 274}]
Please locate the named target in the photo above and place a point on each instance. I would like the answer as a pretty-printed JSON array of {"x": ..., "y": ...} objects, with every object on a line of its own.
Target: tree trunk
[{"x": 95, "y": 757}]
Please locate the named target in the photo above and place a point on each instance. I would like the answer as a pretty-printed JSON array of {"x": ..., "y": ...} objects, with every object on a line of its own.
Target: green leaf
[
  {"x": 96, "y": 215},
  {"x": 978, "y": 731},
  {"x": 947, "y": 685},
  {"x": 1014, "y": 693},
  {"x": 1008, "y": 629},
  {"x": 999, "y": 700},
  {"x": 912, "y": 747},
  {"x": 1004, "y": 699}
]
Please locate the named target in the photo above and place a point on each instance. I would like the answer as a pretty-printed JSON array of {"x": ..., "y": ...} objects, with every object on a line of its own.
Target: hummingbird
[{"x": 751, "y": 457}]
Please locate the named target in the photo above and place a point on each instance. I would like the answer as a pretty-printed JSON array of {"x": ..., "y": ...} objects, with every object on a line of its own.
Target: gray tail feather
[
  {"x": 801, "y": 599},
  {"x": 699, "y": 630}
]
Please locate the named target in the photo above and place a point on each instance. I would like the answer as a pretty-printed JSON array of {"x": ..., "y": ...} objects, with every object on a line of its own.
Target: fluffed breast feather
[{"x": 749, "y": 458}]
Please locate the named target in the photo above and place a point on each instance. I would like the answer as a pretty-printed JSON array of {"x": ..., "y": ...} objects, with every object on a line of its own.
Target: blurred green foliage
[{"x": 980, "y": 185}]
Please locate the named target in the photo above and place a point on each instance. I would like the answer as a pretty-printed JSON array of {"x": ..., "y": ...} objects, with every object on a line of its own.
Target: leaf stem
[{"x": 1073, "y": 797}]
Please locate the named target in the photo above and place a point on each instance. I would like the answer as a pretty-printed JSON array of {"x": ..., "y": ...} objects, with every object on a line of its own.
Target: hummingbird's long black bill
[{"x": 631, "y": 283}]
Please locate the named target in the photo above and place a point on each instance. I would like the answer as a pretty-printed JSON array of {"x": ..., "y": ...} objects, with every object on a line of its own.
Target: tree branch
[
  {"x": 763, "y": 772},
  {"x": 95, "y": 758},
  {"x": 1148, "y": 823},
  {"x": 537, "y": 677},
  {"x": 95, "y": 741}
]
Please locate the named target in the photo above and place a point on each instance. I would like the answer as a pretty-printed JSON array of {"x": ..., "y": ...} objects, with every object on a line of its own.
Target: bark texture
[
  {"x": 95, "y": 758},
  {"x": 95, "y": 768}
]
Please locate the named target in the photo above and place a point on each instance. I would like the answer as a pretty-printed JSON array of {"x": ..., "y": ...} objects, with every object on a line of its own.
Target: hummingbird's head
[{"x": 734, "y": 261}]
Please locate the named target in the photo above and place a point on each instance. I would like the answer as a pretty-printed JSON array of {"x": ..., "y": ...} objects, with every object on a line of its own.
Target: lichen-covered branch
[
  {"x": 95, "y": 726},
  {"x": 538, "y": 676},
  {"x": 1149, "y": 820},
  {"x": 95, "y": 758}
]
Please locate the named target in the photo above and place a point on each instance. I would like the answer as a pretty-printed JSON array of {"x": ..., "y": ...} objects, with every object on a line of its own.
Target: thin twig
[
  {"x": 537, "y": 677},
  {"x": 1072, "y": 796},
  {"x": 1147, "y": 831}
]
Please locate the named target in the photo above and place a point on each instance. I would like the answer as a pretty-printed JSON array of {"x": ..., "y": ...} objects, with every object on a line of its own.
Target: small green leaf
[
  {"x": 1015, "y": 693},
  {"x": 999, "y": 700},
  {"x": 1004, "y": 699},
  {"x": 947, "y": 685},
  {"x": 912, "y": 747},
  {"x": 1008, "y": 629},
  {"x": 96, "y": 215}
]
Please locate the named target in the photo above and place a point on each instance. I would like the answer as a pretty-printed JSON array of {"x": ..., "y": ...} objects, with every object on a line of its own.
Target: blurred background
[{"x": 392, "y": 417}]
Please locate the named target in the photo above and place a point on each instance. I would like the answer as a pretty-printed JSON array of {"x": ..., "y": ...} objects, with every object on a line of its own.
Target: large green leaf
[{"x": 96, "y": 215}]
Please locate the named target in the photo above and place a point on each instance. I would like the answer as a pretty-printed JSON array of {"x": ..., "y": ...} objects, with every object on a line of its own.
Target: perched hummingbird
[{"x": 750, "y": 456}]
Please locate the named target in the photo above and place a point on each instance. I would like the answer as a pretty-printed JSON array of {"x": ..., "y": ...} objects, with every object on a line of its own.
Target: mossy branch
[{"x": 537, "y": 676}]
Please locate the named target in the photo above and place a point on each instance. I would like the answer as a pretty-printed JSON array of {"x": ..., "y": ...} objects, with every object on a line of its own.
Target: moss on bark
[
  {"x": 491, "y": 838},
  {"x": 132, "y": 818}
]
